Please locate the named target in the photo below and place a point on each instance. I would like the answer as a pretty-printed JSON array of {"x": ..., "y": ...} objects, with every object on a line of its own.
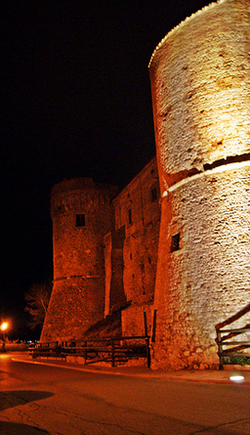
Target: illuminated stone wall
[
  {"x": 104, "y": 256},
  {"x": 82, "y": 214},
  {"x": 137, "y": 210},
  {"x": 200, "y": 77},
  {"x": 114, "y": 288}
]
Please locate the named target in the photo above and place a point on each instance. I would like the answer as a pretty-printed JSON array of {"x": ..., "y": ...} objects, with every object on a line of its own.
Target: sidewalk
[{"x": 213, "y": 376}]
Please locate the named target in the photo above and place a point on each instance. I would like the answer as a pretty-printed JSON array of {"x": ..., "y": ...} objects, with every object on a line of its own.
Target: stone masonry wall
[
  {"x": 200, "y": 76},
  {"x": 82, "y": 214},
  {"x": 140, "y": 246},
  {"x": 133, "y": 320},
  {"x": 207, "y": 279},
  {"x": 113, "y": 256},
  {"x": 200, "y": 89},
  {"x": 107, "y": 260}
]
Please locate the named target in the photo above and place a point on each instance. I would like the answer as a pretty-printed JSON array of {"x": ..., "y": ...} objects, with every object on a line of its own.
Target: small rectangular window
[
  {"x": 175, "y": 243},
  {"x": 80, "y": 220},
  {"x": 129, "y": 216},
  {"x": 153, "y": 194}
]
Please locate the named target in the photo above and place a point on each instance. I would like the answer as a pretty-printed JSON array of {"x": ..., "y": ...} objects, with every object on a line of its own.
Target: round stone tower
[
  {"x": 82, "y": 214},
  {"x": 200, "y": 78}
]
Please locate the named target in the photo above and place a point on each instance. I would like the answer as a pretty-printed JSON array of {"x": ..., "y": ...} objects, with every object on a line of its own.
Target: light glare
[
  {"x": 237, "y": 378},
  {"x": 4, "y": 326}
]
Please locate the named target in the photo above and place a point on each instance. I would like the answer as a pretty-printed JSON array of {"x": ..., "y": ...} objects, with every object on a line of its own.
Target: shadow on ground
[
  {"x": 7, "y": 428},
  {"x": 10, "y": 399}
]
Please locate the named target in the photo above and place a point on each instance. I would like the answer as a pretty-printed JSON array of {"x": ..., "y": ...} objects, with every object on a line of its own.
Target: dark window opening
[
  {"x": 80, "y": 220},
  {"x": 153, "y": 194},
  {"x": 175, "y": 243},
  {"x": 130, "y": 255},
  {"x": 130, "y": 216}
]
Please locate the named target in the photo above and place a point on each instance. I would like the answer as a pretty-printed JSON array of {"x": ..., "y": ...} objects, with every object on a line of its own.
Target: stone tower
[
  {"x": 82, "y": 213},
  {"x": 200, "y": 78}
]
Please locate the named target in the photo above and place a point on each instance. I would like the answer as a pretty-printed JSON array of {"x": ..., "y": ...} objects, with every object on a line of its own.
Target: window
[
  {"x": 153, "y": 194},
  {"x": 80, "y": 220},
  {"x": 130, "y": 216},
  {"x": 175, "y": 243}
]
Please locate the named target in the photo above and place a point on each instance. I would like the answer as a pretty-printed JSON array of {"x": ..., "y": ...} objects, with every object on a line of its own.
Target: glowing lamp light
[
  {"x": 237, "y": 378},
  {"x": 4, "y": 326}
]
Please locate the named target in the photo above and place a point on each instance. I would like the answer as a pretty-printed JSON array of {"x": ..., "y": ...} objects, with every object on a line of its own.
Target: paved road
[{"x": 40, "y": 399}]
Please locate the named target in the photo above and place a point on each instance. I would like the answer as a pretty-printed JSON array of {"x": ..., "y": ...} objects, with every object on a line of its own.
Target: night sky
[{"x": 76, "y": 102}]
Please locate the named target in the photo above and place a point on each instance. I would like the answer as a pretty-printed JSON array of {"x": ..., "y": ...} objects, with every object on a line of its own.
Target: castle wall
[
  {"x": 82, "y": 213},
  {"x": 113, "y": 256},
  {"x": 137, "y": 209},
  {"x": 200, "y": 90},
  {"x": 133, "y": 323},
  {"x": 200, "y": 76}
]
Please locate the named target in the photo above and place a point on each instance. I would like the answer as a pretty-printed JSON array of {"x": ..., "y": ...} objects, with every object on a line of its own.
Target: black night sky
[{"x": 76, "y": 102}]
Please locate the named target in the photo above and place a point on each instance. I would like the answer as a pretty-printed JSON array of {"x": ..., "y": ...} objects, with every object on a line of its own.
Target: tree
[{"x": 37, "y": 301}]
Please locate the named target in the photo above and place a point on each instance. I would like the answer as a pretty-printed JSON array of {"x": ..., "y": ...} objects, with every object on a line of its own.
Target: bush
[{"x": 240, "y": 360}]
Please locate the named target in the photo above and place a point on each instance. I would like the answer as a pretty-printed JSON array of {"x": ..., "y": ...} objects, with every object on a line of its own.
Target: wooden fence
[
  {"x": 113, "y": 350},
  {"x": 230, "y": 347}
]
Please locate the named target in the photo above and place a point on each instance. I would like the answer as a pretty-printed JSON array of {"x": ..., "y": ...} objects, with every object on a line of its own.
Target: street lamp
[{"x": 4, "y": 326}]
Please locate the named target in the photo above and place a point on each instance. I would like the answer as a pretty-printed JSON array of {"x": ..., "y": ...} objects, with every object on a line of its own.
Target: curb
[{"x": 216, "y": 377}]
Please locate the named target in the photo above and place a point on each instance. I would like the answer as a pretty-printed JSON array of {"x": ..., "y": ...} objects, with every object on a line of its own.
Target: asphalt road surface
[{"x": 40, "y": 399}]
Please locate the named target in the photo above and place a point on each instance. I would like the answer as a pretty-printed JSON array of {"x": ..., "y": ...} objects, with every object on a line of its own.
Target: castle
[
  {"x": 105, "y": 254},
  {"x": 186, "y": 261}
]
